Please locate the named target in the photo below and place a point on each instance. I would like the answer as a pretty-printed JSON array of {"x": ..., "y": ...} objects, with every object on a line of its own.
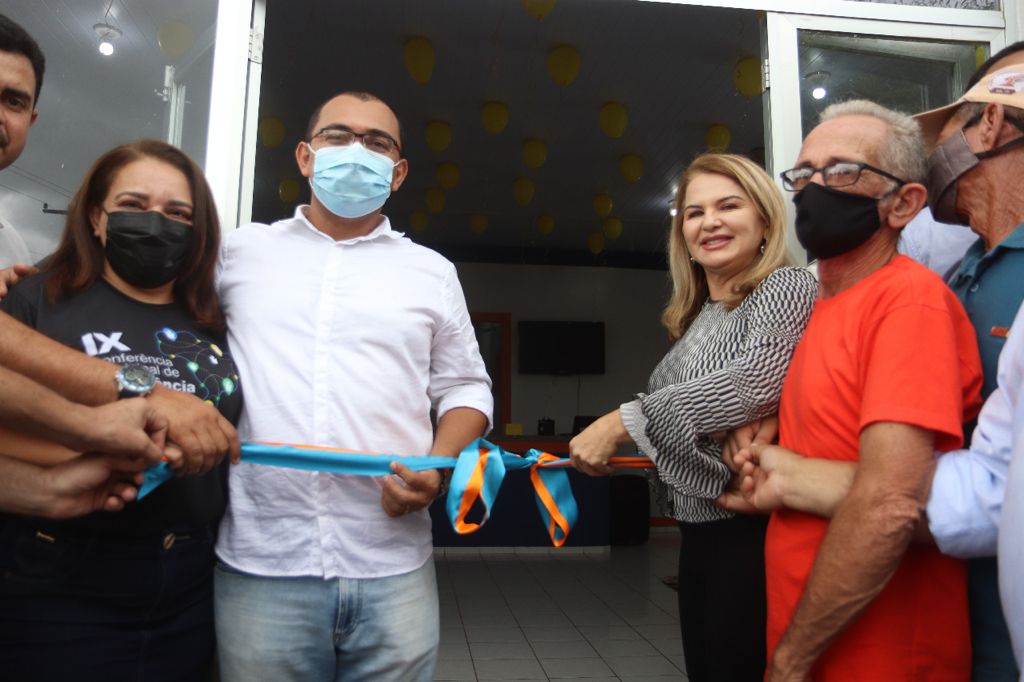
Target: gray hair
[{"x": 902, "y": 152}]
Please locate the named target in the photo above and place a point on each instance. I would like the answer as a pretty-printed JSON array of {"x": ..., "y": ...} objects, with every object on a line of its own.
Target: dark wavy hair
[{"x": 79, "y": 259}]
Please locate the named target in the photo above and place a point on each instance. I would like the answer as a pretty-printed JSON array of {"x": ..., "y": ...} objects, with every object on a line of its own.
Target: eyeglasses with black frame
[
  {"x": 341, "y": 136},
  {"x": 838, "y": 174}
]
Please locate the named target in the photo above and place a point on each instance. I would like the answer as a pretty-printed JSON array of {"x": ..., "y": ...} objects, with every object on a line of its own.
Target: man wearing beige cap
[{"x": 974, "y": 177}]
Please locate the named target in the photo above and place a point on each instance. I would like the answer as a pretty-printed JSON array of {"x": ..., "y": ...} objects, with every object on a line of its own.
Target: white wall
[{"x": 628, "y": 301}]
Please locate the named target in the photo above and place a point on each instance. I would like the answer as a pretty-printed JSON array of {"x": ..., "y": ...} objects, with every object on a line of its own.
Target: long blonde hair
[{"x": 689, "y": 284}]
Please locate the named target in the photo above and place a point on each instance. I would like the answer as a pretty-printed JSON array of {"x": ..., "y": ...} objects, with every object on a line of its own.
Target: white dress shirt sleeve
[
  {"x": 458, "y": 377},
  {"x": 967, "y": 493}
]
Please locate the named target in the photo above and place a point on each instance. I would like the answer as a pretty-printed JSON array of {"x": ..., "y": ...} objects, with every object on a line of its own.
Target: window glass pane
[
  {"x": 155, "y": 83},
  {"x": 904, "y": 74}
]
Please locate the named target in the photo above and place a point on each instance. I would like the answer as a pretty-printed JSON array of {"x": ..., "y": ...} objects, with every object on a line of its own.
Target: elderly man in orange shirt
[{"x": 886, "y": 373}]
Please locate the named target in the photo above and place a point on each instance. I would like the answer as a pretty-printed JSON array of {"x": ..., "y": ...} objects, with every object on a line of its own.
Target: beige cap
[{"x": 1005, "y": 86}]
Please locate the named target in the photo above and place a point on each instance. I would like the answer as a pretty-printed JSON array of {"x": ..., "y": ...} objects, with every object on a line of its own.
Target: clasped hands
[
  {"x": 125, "y": 437},
  {"x": 760, "y": 469}
]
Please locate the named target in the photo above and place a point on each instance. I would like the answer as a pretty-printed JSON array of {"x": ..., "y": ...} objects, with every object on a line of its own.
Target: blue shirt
[{"x": 991, "y": 287}]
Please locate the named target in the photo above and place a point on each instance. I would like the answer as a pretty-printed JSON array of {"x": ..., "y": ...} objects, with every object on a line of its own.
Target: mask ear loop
[{"x": 1016, "y": 123}]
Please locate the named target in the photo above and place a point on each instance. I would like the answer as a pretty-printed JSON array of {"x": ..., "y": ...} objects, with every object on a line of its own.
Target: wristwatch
[{"x": 134, "y": 381}]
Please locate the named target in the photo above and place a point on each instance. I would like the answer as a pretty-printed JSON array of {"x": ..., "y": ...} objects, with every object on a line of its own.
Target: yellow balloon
[
  {"x": 174, "y": 38},
  {"x": 613, "y": 119},
  {"x": 439, "y": 135},
  {"x": 632, "y": 167},
  {"x": 595, "y": 242},
  {"x": 418, "y": 220},
  {"x": 434, "y": 199},
  {"x": 718, "y": 138},
  {"x": 612, "y": 228},
  {"x": 478, "y": 223},
  {"x": 747, "y": 77},
  {"x": 535, "y": 153},
  {"x": 270, "y": 131},
  {"x": 494, "y": 116},
  {"x": 563, "y": 64},
  {"x": 447, "y": 175},
  {"x": 419, "y": 59},
  {"x": 522, "y": 190},
  {"x": 546, "y": 224},
  {"x": 602, "y": 205},
  {"x": 288, "y": 190},
  {"x": 538, "y": 9}
]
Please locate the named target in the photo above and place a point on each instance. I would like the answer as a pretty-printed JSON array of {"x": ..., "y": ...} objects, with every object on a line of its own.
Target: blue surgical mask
[{"x": 351, "y": 181}]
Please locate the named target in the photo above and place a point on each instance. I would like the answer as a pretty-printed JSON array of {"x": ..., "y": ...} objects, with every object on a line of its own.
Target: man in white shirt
[
  {"x": 1011, "y": 526},
  {"x": 359, "y": 335},
  {"x": 21, "y": 78}
]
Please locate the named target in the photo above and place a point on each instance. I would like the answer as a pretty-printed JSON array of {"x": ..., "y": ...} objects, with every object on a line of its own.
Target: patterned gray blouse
[{"x": 725, "y": 371}]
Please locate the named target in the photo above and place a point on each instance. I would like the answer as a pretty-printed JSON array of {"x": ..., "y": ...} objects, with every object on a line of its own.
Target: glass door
[{"x": 814, "y": 61}]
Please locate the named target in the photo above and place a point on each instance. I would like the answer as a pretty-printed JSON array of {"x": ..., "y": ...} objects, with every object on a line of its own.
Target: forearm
[
  {"x": 23, "y": 489},
  {"x": 38, "y": 411},
  {"x": 866, "y": 539},
  {"x": 865, "y": 542},
  {"x": 74, "y": 375},
  {"x": 815, "y": 486},
  {"x": 457, "y": 428}
]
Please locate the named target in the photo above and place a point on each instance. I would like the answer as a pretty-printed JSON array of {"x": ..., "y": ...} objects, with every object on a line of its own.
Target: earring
[
  {"x": 692, "y": 259},
  {"x": 762, "y": 247}
]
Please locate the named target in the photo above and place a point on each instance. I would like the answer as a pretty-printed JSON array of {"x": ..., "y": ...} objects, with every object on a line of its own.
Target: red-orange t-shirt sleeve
[{"x": 911, "y": 359}]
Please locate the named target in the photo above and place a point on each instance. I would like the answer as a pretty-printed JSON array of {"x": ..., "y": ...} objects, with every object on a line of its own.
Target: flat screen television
[{"x": 551, "y": 347}]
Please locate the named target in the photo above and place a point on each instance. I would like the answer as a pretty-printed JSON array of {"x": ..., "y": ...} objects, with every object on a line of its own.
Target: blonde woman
[{"x": 735, "y": 316}]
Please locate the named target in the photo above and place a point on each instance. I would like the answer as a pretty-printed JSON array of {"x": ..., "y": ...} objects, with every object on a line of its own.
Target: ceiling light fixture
[
  {"x": 817, "y": 80},
  {"x": 107, "y": 35}
]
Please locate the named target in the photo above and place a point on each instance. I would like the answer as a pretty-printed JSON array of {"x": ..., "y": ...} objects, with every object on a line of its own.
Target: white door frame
[{"x": 229, "y": 104}]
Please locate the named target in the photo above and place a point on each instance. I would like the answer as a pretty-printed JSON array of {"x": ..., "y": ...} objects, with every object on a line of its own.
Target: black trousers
[
  {"x": 722, "y": 610},
  {"x": 87, "y": 607}
]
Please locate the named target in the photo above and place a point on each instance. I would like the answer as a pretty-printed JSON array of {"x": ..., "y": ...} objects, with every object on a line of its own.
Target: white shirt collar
[{"x": 383, "y": 228}]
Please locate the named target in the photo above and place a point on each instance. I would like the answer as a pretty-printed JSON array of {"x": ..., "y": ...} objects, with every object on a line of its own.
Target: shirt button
[
  {"x": 974, "y": 287},
  {"x": 169, "y": 540}
]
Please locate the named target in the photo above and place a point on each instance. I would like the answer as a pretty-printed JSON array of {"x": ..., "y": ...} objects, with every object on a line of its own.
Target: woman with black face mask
[{"x": 128, "y": 594}]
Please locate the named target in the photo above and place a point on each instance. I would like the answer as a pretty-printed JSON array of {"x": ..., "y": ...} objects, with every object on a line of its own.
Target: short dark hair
[
  {"x": 983, "y": 69},
  {"x": 78, "y": 261},
  {"x": 15, "y": 39},
  {"x": 362, "y": 97}
]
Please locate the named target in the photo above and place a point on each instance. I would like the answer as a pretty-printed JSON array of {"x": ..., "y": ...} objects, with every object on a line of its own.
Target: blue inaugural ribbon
[{"x": 477, "y": 477}]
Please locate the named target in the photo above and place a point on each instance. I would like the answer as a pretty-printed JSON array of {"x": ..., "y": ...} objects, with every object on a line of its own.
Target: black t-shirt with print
[{"x": 104, "y": 323}]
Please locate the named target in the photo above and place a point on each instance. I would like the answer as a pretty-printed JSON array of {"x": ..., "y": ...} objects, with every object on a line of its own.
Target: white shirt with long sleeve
[
  {"x": 1011, "y": 527},
  {"x": 967, "y": 494},
  {"x": 346, "y": 344}
]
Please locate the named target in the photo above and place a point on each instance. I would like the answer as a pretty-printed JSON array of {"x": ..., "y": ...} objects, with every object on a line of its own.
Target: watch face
[{"x": 137, "y": 378}]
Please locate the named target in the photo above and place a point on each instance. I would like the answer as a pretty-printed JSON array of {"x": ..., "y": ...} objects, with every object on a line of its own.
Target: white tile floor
[{"x": 551, "y": 614}]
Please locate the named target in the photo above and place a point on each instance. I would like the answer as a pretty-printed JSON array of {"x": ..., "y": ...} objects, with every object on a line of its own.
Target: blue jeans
[{"x": 304, "y": 629}]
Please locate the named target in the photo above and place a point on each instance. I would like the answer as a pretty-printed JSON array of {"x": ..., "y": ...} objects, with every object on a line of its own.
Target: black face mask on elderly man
[
  {"x": 830, "y": 223},
  {"x": 949, "y": 162}
]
